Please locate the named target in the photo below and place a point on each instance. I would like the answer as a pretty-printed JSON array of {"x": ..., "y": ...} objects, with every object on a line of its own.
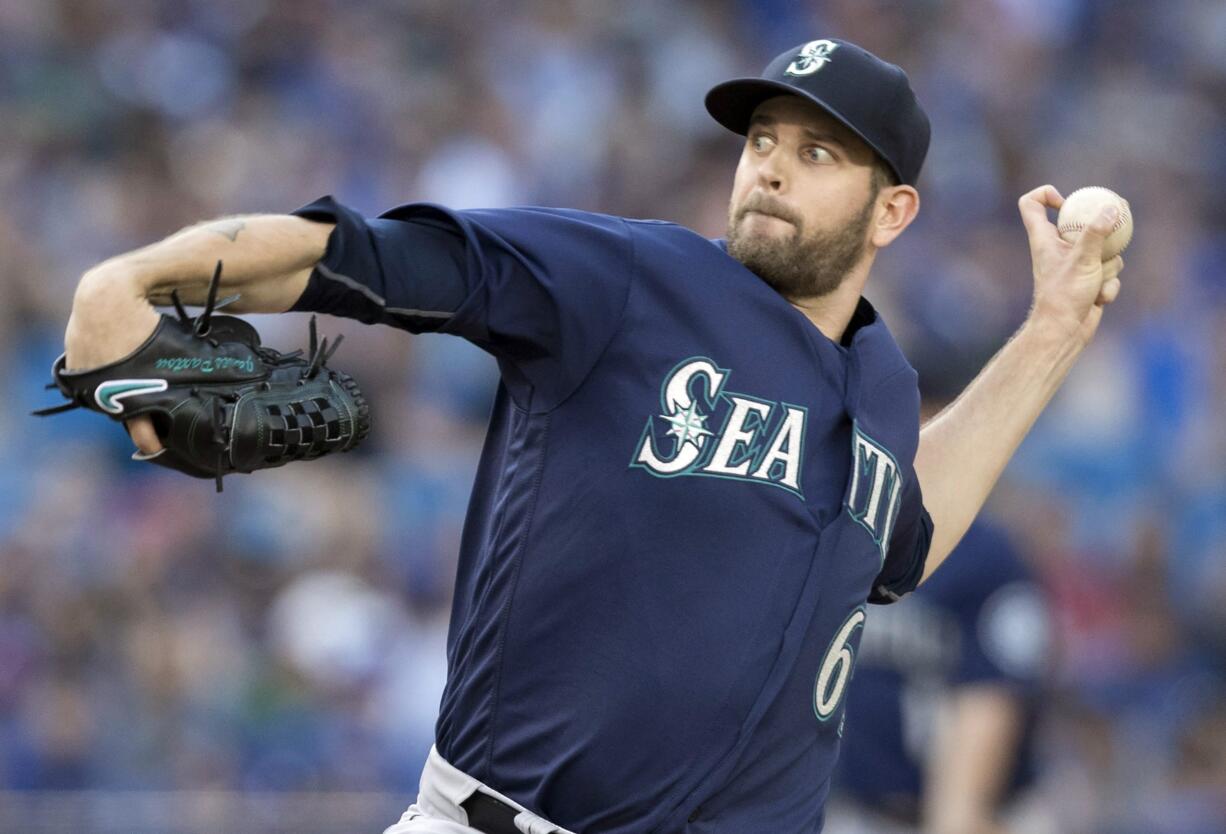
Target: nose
[{"x": 770, "y": 173}]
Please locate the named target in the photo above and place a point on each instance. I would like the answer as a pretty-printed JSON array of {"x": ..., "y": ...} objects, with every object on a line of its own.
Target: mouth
[{"x": 767, "y": 214}]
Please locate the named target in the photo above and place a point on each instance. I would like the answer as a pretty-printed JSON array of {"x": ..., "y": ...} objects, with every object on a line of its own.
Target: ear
[{"x": 897, "y": 206}]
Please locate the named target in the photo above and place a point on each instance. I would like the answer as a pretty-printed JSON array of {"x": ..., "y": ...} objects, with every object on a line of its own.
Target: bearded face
[{"x": 806, "y": 263}]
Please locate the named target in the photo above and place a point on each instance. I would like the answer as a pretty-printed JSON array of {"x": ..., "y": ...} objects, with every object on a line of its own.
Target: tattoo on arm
[{"x": 228, "y": 228}]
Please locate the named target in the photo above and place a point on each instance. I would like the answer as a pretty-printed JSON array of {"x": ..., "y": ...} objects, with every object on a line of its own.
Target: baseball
[{"x": 1083, "y": 205}]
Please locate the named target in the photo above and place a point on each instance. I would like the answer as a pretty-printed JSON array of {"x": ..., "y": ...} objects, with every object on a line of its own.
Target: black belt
[{"x": 490, "y": 815}]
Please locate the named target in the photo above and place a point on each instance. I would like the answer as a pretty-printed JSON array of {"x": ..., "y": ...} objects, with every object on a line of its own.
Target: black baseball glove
[{"x": 220, "y": 401}]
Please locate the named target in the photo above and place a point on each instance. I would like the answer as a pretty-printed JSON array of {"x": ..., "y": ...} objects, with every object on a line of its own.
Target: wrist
[
  {"x": 110, "y": 317},
  {"x": 1050, "y": 342},
  {"x": 116, "y": 276},
  {"x": 1051, "y": 324}
]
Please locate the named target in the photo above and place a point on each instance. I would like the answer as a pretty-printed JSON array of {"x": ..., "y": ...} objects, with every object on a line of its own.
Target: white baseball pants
[{"x": 438, "y": 807}]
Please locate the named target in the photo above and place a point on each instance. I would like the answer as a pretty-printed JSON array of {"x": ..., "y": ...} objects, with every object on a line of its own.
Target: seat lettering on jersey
[
  {"x": 758, "y": 441},
  {"x": 875, "y": 492}
]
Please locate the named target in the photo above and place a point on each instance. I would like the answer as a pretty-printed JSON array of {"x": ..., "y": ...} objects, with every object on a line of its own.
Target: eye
[
  {"x": 818, "y": 154},
  {"x": 760, "y": 142}
]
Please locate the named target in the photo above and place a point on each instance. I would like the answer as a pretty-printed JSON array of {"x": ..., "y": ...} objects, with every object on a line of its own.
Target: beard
[{"x": 800, "y": 265}]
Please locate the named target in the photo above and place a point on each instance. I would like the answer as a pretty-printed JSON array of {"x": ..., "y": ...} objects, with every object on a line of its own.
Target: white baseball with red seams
[{"x": 1083, "y": 205}]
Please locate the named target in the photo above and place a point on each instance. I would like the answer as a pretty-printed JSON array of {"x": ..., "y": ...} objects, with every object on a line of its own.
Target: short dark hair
[{"x": 883, "y": 175}]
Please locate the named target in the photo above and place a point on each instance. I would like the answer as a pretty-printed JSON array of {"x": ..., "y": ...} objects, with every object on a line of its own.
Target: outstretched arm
[
  {"x": 268, "y": 259},
  {"x": 964, "y": 449}
]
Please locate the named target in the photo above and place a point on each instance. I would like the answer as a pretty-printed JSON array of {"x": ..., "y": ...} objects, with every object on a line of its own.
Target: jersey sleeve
[
  {"x": 542, "y": 290},
  {"x": 904, "y": 561},
  {"x": 381, "y": 271}
]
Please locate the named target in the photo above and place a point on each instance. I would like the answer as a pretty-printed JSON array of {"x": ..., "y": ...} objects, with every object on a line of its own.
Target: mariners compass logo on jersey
[{"x": 703, "y": 429}]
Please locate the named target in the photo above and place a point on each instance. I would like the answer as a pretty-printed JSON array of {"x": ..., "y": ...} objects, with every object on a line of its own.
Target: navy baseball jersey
[
  {"x": 686, "y": 496},
  {"x": 980, "y": 620}
]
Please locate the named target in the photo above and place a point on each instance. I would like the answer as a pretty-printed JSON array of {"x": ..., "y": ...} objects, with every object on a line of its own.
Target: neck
[{"x": 831, "y": 313}]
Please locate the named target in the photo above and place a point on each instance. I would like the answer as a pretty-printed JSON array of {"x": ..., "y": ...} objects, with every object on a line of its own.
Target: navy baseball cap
[{"x": 871, "y": 97}]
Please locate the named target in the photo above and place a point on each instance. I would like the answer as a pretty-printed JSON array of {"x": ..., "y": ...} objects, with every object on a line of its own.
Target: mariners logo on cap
[{"x": 813, "y": 56}]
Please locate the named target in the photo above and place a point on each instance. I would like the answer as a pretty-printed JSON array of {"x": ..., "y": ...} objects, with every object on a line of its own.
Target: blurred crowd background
[{"x": 278, "y": 650}]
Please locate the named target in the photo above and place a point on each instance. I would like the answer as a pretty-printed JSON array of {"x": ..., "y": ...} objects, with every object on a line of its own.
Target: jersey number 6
[{"x": 836, "y": 667}]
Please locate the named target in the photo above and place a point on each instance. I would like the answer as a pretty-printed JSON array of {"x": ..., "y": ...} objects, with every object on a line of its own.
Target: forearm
[
  {"x": 964, "y": 449},
  {"x": 973, "y": 755},
  {"x": 267, "y": 260}
]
